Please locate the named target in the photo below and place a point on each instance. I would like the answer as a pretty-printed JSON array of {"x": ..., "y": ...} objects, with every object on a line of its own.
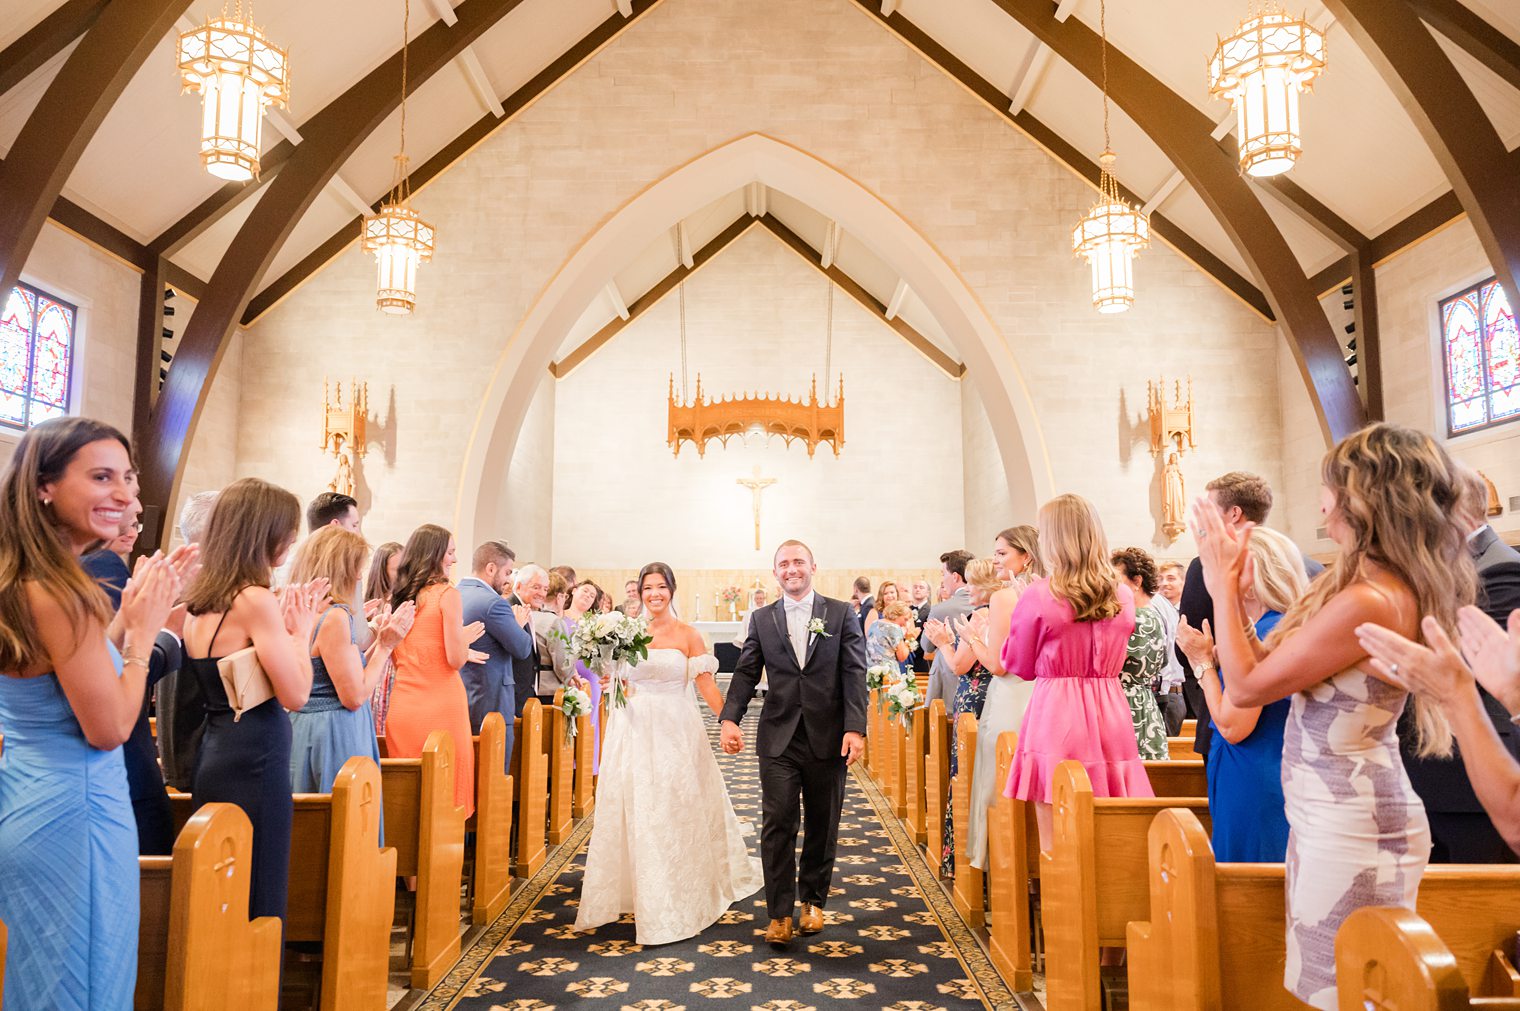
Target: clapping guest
[
  {"x": 1245, "y": 757},
  {"x": 955, "y": 602},
  {"x": 922, "y": 608},
  {"x": 889, "y": 645},
  {"x": 68, "y": 700},
  {"x": 245, "y": 756},
  {"x": 428, "y": 694},
  {"x": 1069, "y": 634},
  {"x": 582, "y": 602},
  {"x": 1359, "y": 833},
  {"x": 544, "y": 623},
  {"x": 1169, "y": 580},
  {"x": 383, "y": 567},
  {"x": 1016, "y": 554},
  {"x": 337, "y": 723},
  {"x": 488, "y": 680},
  {"x": 530, "y": 587},
  {"x": 1145, "y": 656},
  {"x": 886, "y": 593}
]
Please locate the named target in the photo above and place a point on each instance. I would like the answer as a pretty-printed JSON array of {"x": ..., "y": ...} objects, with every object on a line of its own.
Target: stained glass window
[
  {"x": 1482, "y": 352},
  {"x": 36, "y": 356}
]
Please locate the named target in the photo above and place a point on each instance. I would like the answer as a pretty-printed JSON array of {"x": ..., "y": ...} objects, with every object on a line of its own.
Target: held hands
[
  {"x": 1221, "y": 548},
  {"x": 522, "y": 614},
  {"x": 394, "y": 625},
  {"x": 1197, "y": 646},
  {"x": 853, "y": 747},
  {"x": 730, "y": 738},
  {"x": 149, "y": 596}
]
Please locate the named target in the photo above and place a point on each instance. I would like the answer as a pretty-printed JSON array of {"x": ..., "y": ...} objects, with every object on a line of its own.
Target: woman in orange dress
[{"x": 428, "y": 694}]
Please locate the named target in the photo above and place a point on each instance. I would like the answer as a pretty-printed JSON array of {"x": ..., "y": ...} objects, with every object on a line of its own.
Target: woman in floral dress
[{"x": 1146, "y": 654}]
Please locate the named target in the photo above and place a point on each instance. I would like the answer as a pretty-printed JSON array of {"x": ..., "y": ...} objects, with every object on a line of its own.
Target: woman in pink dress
[{"x": 1070, "y": 634}]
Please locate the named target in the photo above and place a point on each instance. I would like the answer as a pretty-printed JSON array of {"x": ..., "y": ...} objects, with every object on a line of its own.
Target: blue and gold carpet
[{"x": 891, "y": 940}]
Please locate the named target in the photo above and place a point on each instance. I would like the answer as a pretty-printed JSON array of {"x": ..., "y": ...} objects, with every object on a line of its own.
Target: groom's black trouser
[{"x": 797, "y": 787}]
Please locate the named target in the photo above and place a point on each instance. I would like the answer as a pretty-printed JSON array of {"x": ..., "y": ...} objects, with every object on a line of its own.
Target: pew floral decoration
[
  {"x": 611, "y": 644},
  {"x": 576, "y": 702},
  {"x": 879, "y": 676},
  {"x": 902, "y": 699}
]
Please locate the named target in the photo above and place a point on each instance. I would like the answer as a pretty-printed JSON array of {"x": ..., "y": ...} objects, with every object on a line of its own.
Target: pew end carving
[
  {"x": 531, "y": 775},
  {"x": 1008, "y": 872},
  {"x": 492, "y": 873},
  {"x": 967, "y": 893},
  {"x": 936, "y": 780}
]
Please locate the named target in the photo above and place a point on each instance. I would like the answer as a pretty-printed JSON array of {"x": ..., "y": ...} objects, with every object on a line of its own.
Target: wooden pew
[
  {"x": 585, "y": 780},
  {"x": 1214, "y": 936},
  {"x": 427, "y": 830},
  {"x": 1093, "y": 880},
  {"x": 888, "y": 777},
  {"x": 915, "y": 740},
  {"x": 491, "y": 880},
  {"x": 936, "y": 780},
  {"x": 1388, "y": 959},
  {"x": 561, "y": 752},
  {"x": 1180, "y": 749},
  {"x": 530, "y": 775},
  {"x": 901, "y": 758},
  {"x": 1189, "y": 729},
  {"x": 1008, "y": 833},
  {"x": 196, "y": 947},
  {"x": 1178, "y": 778},
  {"x": 967, "y": 893},
  {"x": 337, "y": 894},
  {"x": 873, "y": 734}
]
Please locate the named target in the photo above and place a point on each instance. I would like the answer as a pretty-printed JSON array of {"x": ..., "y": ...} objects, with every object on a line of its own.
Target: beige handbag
[{"x": 244, "y": 680}]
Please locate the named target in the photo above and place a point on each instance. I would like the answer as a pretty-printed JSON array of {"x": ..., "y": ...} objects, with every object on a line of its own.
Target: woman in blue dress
[
  {"x": 68, "y": 700},
  {"x": 1244, "y": 769},
  {"x": 337, "y": 722}
]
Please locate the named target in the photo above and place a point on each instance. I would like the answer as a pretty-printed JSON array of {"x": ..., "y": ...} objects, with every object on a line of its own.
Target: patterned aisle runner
[{"x": 885, "y": 945}]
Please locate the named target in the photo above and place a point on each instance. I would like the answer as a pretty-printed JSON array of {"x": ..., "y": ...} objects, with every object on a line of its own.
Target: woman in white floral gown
[{"x": 666, "y": 845}]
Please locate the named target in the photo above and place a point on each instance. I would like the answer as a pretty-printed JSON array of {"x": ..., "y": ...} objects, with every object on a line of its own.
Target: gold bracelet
[{"x": 132, "y": 659}]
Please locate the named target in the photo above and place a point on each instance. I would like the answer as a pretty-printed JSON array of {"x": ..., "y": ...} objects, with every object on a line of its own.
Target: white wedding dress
[{"x": 665, "y": 844}]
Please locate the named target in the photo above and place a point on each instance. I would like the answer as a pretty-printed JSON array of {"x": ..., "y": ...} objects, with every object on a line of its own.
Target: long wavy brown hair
[
  {"x": 1398, "y": 493},
  {"x": 421, "y": 563},
  {"x": 378, "y": 585},
  {"x": 252, "y": 523},
  {"x": 1080, "y": 572},
  {"x": 33, "y": 549}
]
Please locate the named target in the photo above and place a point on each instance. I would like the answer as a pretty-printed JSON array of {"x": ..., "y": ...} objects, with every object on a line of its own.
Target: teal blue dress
[
  {"x": 325, "y": 733},
  {"x": 68, "y": 857}
]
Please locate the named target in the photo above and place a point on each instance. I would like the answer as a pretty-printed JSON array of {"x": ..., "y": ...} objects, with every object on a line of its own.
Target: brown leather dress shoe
[
  {"x": 811, "y": 920},
  {"x": 779, "y": 934}
]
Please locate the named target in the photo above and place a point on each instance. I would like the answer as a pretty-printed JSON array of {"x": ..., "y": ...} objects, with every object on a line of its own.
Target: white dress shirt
[{"x": 798, "y": 614}]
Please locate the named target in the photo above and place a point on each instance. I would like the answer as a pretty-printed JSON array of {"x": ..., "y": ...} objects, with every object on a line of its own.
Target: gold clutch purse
[{"x": 244, "y": 681}]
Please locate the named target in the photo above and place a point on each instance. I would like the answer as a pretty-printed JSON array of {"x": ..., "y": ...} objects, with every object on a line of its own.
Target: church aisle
[{"x": 885, "y": 944}]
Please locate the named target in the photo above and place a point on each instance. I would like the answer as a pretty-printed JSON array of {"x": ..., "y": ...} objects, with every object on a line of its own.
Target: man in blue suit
[{"x": 489, "y": 684}]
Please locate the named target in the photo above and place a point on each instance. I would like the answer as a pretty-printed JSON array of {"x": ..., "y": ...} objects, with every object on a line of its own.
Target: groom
[{"x": 812, "y": 727}]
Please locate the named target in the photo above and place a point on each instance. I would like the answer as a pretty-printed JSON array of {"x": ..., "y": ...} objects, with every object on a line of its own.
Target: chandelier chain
[
  {"x": 402, "y": 189},
  {"x": 1103, "y": 32}
]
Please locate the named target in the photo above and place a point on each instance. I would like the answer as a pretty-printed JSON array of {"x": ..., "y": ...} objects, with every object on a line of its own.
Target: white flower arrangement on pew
[
  {"x": 880, "y": 676},
  {"x": 576, "y": 702},
  {"x": 610, "y": 644},
  {"x": 902, "y": 699}
]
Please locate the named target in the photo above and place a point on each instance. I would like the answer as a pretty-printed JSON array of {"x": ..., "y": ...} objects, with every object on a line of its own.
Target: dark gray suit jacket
[
  {"x": 489, "y": 685},
  {"x": 826, "y": 693}
]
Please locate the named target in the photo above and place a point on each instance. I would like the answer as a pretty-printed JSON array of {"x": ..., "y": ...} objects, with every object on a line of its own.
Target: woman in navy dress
[
  {"x": 337, "y": 722},
  {"x": 246, "y": 761},
  {"x": 1245, "y": 759},
  {"x": 68, "y": 700}
]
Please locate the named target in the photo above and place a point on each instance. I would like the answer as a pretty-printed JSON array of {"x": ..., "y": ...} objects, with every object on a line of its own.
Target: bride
[{"x": 665, "y": 845}]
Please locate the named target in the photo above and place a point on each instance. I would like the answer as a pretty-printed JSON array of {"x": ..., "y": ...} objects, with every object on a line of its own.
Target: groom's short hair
[{"x": 794, "y": 544}]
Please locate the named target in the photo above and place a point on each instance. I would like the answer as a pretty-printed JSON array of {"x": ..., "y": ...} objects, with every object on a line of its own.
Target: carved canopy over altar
[{"x": 704, "y": 419}]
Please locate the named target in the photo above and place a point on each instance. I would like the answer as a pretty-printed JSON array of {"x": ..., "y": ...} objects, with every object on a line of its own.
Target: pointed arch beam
[
  {"x": 1491, "y": 47},
  {"x": 1449, "y": 117},
  {"x": 330, "y": 138},
  {"x": 1183, "y": 134},
  {"x": 54, "y": 137},
  {"x": 45, "y": 40}
]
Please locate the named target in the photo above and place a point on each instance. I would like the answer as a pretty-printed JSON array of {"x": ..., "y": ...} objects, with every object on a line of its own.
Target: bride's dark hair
[{"x": 658, "y": 569}]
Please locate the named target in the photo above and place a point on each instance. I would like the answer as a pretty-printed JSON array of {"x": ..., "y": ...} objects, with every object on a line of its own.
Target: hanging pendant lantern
[
  {"x": 1108, "y": 238},
  {"x": 398, "y": 236},
  {"x": 1110, "y": 234},
  {"x": 238, "y": 73},
  {"x": 1260, "y": 70}
]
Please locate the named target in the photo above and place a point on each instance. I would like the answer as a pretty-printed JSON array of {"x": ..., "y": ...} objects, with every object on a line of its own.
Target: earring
[{"x": 47, "y": 502}]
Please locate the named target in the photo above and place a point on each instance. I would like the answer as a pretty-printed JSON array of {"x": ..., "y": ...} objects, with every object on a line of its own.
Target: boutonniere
[{"x": 815, "y": 627}]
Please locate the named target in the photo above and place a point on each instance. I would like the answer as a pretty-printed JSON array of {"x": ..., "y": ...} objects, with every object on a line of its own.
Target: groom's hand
[
  {"x": 854, "y": 745},
  {"x": 731, "y": 738}
]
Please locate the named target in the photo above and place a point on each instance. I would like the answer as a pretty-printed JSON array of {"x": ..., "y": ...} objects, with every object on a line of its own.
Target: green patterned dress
[{"x": 1142, "y": 666}]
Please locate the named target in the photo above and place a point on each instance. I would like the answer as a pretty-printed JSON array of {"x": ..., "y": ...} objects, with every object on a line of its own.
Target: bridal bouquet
[
  {"x": 609, "y": 644},
  {"x": 879, "y": 676},
  {"x": 903, "y": 699},
  {"x": 575, "y": 703}
]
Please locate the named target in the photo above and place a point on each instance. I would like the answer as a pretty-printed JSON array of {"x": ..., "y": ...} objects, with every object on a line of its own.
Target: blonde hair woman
[
  {"x": 337, "y": 723},
  {"x": 1359, "y": 833},
  {"x": 1245, "y": 754},
  {"x": 1070, "y": 635}
]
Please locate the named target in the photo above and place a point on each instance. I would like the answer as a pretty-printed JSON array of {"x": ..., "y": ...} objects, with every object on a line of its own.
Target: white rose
[{"x": 608, "y": 623}]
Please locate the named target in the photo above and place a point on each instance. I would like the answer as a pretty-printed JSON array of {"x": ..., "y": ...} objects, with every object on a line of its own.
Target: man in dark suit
[
  {"x": 812, "y": 728},
  {"x": 923, "y": 607},
  {"x": 491, "y": 684},
  {"x": 531, "y": 589},
  {"x": 1242, "y": 498},
  {"x": 1461, "y": 832}
]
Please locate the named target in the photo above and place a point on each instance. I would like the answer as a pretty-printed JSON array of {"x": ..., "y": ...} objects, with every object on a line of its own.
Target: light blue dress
[
  {"x": 324, "y": 733},
  {"x": 68, "y": 857}
]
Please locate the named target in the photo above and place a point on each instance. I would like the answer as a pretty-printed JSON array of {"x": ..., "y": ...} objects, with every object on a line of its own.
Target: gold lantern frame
[
  {"x": 1261, "y": 69},
  {"x": 238, "y": 73},
  {"x": 1108, "y": 237}
]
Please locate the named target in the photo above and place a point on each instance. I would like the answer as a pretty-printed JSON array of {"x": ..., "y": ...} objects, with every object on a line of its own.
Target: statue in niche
[
  {"x": 1171, "y": 436},
  {"x": 1173, "y": 498}
]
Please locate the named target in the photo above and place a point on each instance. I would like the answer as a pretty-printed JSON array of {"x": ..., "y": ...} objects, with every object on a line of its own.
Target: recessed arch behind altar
[{"x": 754, "y": 157}]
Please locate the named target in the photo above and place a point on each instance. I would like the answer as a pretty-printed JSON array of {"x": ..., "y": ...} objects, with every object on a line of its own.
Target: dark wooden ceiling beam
[
  {"x": 664, "y": 286},
  {"x": 587, "y": 47},
  {"x": 1449, "y": 117},
  {"x": 989, "y": 95},
  {"x": 1455, "y": 20},
  {"x": 60, "y": 127},
  {"x": 46, "y": 39},
  {"x": 1183, "y": 134},
  {"x": 1310, "y": 209},
  {"x": 851, "y": 287},
  {"x": 1432, "y": 217},
  {"x": 226, "y": 199}
]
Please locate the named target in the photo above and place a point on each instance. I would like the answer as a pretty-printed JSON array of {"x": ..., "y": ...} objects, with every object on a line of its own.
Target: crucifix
[{"x": 757, "y": 486}]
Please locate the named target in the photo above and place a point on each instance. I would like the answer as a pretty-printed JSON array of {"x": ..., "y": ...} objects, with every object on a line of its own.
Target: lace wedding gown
[{"x": 665, "y": 845}]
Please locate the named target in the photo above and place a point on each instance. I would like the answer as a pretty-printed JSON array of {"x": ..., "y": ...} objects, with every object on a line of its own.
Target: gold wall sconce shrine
[
  {"x": 1171, "y": 437},
  {"x": 807, "y": 421},
  {"x": 343, "y": 430}
]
